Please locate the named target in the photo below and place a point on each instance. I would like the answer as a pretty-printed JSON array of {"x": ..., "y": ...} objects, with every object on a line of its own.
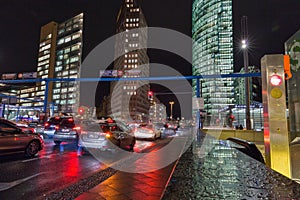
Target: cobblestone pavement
[{"x": 217, "y": 171}]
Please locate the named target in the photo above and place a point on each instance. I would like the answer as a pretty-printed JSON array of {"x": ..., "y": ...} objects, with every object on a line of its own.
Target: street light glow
[{"x": 244, "y": 44}]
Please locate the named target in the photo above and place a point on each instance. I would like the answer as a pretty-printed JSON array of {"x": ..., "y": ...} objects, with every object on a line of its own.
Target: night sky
[{"x": 270, "y": 24}]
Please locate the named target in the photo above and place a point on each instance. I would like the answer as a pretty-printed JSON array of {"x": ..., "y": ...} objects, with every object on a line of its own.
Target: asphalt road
[{"x": 58, "y": 167}]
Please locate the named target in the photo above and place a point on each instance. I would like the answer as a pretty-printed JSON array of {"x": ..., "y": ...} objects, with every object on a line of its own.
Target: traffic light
[
  {"x": 276, "y": 135},
  {"x": 150, "y": 95},
  {"x": 276, "y": 81},
  {"x": 81, "y": 110}
]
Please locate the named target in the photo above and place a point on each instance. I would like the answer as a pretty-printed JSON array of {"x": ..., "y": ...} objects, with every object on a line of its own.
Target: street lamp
[
  {"x": 246, "y": 63},
  {"x": 171, "y": 105}
]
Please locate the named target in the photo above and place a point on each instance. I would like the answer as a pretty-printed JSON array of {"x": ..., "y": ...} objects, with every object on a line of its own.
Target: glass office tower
[{"x": 212, "y": 33}]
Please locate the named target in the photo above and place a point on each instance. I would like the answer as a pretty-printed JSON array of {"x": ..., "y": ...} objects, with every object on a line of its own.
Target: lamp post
[
  {"x": 246, "y": 63},
  {"x": 171, "y": 105}
]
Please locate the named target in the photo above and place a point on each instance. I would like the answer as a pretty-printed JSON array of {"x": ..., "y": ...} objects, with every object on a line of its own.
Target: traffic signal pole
[{"x": 276, "y": 135}]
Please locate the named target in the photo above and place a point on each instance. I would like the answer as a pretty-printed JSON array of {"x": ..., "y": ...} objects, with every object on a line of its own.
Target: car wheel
[
  {"x": 32, "y": 148},
  {"x": 57, "y": 142},
  {"x": 131, "y": 147}
]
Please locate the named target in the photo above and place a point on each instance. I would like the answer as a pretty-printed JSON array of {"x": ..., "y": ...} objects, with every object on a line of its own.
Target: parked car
[
  {"x": 66, "y": 131},
  {"x": 13, "y": 139},
  {"x": 106, "y": 135},
  {"x": 148, "y": 131}
]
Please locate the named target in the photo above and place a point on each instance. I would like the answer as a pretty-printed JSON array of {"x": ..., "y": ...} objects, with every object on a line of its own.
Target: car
[
  {"x": 106, "y": 135},
  {"x": 25, "y": 127},
  {"x": 13, "y": 140},
  {"x": 148, "y": 131},
  {"x": 66, "y": 131},
  {"x": 49, "y": 126}
]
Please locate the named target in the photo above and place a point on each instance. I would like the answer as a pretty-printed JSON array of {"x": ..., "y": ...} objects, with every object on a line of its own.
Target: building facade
[
  {"x": 212, "y": 32},
  {"x": 255, "y": 88},
  {"x": 59, "y": 56},
  {"x": 68, "y": 64},
  {"x": 157, "y": 112},
  {"x": 129, "y": 98},
  {"x": 46, "y": 61}
]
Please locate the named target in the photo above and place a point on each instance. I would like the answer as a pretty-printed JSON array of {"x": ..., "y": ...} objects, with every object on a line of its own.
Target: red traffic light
[
  {"x": 276, "y": 80},
  {"x": 81, "y": 110}
]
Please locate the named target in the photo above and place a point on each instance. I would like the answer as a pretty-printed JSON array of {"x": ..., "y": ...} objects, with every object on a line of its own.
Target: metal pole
[
  {"x": 198, "y": 96},
  {"x": 246, "y": 63},
  {"x": 46, "y": 97}
]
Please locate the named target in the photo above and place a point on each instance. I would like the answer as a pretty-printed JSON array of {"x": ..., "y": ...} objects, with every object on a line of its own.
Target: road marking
[
  {"x": 6, "y": 186},
  {"x": 29, "y": 160}
]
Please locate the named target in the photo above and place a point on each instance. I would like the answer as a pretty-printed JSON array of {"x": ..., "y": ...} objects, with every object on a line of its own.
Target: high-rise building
[
  {"x": 212, "y": 32},
  {"x": 46, "y": 61},
  {"x": 68, "y": 63},
  {"x": 129, "y": 100},
  {"x": 60, "y": 57}
]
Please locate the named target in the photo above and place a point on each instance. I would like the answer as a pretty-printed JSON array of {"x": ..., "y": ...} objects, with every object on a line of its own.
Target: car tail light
[
  {"x": 56, "y": 127},
  {"x": 77, "y": 128},
  {"x": 56, "y": 118},
  {"x": 107, "y": 135},
  {"x": 70, "y": 119},
  {"x": 47, "y": 124}
]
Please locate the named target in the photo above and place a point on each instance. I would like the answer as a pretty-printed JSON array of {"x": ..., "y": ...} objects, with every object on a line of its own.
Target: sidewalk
[
  {"x": 125, "y": 186},
  {"x": 139, "y": 186}
]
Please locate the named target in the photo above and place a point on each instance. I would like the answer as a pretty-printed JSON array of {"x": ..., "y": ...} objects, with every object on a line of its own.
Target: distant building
[
  {"x": 157, "y": 111},
  {"x": 129, "y": 98},
  {"x": 212, "y": 32},
  {"x": 255, "y": 88}
]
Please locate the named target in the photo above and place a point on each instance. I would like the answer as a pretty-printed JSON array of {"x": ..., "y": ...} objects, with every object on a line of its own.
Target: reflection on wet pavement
[{"x": 216, "y": 171}]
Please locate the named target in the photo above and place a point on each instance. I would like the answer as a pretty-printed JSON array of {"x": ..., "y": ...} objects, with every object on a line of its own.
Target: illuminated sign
[{"x": 10, "y": 76}]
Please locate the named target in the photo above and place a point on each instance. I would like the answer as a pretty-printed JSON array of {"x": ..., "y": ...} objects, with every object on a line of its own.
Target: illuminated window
[{"x": 61, "y": 41}]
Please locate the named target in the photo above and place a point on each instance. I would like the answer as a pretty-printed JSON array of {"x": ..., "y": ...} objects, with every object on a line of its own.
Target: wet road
[{"x": 55, "y": 168}]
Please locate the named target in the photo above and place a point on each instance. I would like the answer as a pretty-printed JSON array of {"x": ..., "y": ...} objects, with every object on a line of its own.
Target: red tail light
[
  {"x": 56, "y": 118},
  {"x": 70, "y": 119},
  {"x": 77, "y": 128},
  {"x": 47, "y": 124},
  {"x": 56, "y": 127}
]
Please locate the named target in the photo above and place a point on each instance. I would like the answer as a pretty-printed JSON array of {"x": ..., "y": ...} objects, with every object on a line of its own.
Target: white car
[{"x": 147, "y": 132}]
